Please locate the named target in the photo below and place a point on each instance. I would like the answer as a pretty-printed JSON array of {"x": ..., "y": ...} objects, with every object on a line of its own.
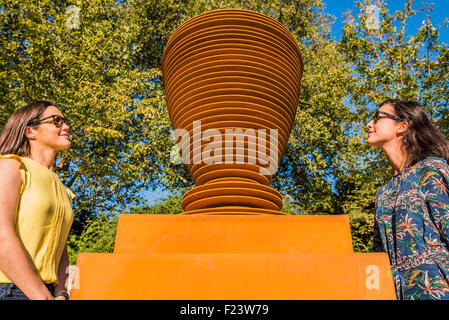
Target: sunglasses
[
  {"x": 388, "y": 115},
  {"x": 58, "y": 121}
]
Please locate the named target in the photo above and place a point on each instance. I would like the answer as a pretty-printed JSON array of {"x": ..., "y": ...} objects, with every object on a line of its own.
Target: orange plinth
[
  {"x": 233, "y": 234},
  {"x": 233, "y": 257},
  {"x": 342, "y": 276},
  {"x": 232, "y": 80}
]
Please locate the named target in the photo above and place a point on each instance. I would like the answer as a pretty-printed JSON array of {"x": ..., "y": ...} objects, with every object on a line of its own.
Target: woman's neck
[
  {"x": 397, "y": 156},
  {"x": 44, "y": 157}
]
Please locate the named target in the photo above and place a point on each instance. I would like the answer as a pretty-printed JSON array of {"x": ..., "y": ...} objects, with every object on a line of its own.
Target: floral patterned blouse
[{"x": 412, "y": 226}]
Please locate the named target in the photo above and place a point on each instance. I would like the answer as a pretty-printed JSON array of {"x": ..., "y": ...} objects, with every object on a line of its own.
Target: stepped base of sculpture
[{"x": 183, "y": 257}]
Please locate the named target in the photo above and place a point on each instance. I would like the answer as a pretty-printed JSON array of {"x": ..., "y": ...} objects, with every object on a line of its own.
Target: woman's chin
[
  {"x": 371, "y": 142},
  {"x": 63, "y": 146}
]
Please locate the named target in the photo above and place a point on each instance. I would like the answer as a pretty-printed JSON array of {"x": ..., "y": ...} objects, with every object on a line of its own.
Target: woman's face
[
  {"x": 385, "y": 129},
  {"x": 47, "y": 134}
]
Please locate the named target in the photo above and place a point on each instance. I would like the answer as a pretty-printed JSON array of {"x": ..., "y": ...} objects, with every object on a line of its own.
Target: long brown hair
[
  {"x": 422, "y": 139},
  {"x": 12, "y": 138}
]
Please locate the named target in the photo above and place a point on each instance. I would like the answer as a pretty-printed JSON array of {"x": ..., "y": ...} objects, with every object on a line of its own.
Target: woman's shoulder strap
[{"x": 11, "y": 156}]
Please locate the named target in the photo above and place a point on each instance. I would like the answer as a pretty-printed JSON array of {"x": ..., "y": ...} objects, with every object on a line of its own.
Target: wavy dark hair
[
  {"x": 422, "y": 139},
  {"x": 12, "y": 138}
]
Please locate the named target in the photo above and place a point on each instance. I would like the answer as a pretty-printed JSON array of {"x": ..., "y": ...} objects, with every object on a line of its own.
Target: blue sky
[
  {"x": 439, "y": 14},
  {"x": 337, "y": 9}
]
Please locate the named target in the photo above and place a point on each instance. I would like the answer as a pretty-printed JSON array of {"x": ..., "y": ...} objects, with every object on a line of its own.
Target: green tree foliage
[
  {"x": 98, "y": 235},
  {"x": 167, "y": 205}
]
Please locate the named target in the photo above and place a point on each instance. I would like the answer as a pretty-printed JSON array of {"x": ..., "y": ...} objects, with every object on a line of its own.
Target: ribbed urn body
[{"x": 232, "y": 82}]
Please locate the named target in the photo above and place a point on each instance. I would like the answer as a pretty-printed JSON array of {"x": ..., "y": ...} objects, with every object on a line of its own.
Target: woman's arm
[
  {"x": 62, "y": 273},
  {"x": 14, "y": 262}
]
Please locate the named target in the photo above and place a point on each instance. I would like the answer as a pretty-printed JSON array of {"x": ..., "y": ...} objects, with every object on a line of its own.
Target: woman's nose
[{"x": 65, "y": 127}]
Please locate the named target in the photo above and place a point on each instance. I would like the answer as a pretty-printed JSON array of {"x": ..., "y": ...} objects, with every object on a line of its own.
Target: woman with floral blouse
[{"x": 412, "y": 209}]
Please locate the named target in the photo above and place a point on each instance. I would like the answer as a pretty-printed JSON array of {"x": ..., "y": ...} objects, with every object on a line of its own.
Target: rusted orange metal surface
[
  {"x": 233, "y": 257},
  {"x": 232, "y": 69},
  {"x": 234, "y": 276},
  {"x": 232, "y": 234}
]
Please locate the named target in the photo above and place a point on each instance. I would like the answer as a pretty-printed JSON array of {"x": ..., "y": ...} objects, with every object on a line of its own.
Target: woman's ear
[
  {"x": 29, "y": 133},
  {"x": 402, "y": 126}
]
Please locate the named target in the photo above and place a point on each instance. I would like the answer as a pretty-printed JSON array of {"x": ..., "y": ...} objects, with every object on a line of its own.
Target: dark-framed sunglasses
[
  {"x": 58, "y": 121},
  {"x": 388, "y": 115}
]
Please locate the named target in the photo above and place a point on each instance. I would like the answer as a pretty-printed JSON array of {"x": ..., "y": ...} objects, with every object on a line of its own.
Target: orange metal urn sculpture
[{"x": 232, "y": 80}]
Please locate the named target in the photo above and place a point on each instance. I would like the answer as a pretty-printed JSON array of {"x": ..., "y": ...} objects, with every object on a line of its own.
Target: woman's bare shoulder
[{"x": 9, "y": 166}]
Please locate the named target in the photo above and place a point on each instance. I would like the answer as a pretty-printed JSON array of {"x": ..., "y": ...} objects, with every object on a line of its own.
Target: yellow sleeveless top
[{"x": 43, "y": 217}]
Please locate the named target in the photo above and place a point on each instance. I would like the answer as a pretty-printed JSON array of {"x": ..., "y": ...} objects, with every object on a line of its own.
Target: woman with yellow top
[{"x": 35, "y": 207}]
